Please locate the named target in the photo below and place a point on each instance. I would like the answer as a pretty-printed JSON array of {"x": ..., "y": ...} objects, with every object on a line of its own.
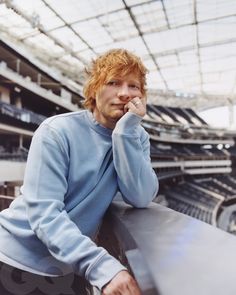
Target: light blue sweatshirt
[{"x": 74, "y": 169}]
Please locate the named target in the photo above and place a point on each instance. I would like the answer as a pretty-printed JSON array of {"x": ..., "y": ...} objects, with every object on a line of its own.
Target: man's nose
[{"x": 123, "y": 92}]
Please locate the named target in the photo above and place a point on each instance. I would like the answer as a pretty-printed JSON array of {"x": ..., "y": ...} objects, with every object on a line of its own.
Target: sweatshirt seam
[
  {"x": 58, "y": 137},
  {"x": 90, "y": 267}
]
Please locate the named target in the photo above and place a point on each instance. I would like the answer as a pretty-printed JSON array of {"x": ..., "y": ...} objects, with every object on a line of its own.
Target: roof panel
[
  {"x": 219, "y": 89},
  {"x": 69, "y": 38},
  {"x": 119, "y": 25},
  {"x": 176, "y": 84},
  {"x": 188, "y": 57},
  {"x": 135, "y": 45},
  {"x": 70, "y": 61},
  {"x": 185, "y": 43},
  {"x": 135, "y": 2},
  {"x": 218, "y": 51},
  {"x": 15, "y": 23},
  {"x": 92, "y": 32},
  {"x": 150, "y": 17},
  {"x": 49, "y": 19},
  {"x": 190, "y": 82},
  {"x": 154, "y": 79},
  {"x": 40, "y": 12},
  {"x": 221, "y": 30},
  {"x": 86, "y": 54},
  {"x": 44, "y": 43},
  {"x": 212, "y": 9},
  {"x": 149, "y": 63},
  {"x": 219, "y": 65},
  {"x": 211, "y": 77},
  {"x": 30, "y": 7},
  {"x": 179, "y": 12},
  {"x": 77, "y": 10},
  {"x": 179, "y": 72},
  {"x": 171, "y": 39},
  {"x": 168, "y": 61}
]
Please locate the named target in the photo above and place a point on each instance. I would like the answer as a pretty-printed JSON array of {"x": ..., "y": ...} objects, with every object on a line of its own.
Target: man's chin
[{"x": 118, "y": 114}]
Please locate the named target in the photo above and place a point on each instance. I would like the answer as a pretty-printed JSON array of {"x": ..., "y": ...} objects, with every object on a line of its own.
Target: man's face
[{"x": 112, "y": 98}]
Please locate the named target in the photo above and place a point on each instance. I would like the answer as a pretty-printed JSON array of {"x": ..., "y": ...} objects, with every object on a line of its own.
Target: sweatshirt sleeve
[
  {"x": 44, "y": 189},
  {"x": 137, "y": 180}
]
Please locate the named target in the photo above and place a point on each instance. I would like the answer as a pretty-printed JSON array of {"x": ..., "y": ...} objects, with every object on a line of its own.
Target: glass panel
[
  {"x": 42, "y": 42},
  {"x": 135, "y": 45},
  {"x": 69, "y": 38},
  {"x": 149, "y": 63},
  {"x": 217, "y": 30},
  {"x": 155, "y": 81},
  {"x": 150, "y": 17},
  {"x": 87, "y": 55},
  {"x": 171, "y": 40},
  {"x": 76, "y": 10},
  {"x": 179, "y": 12},
  {"x": 135, "y": 2},
  {"x": 119, "y": 25},
  {"x": 188, "y": 51},
  {"x": 168, "y": 61},
  {"x": 93, "y": 33},
  {"x": 209, "y": 9}
]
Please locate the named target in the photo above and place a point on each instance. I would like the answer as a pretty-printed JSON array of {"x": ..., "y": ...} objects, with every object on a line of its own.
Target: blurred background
[{"x": 189, "y": 49}]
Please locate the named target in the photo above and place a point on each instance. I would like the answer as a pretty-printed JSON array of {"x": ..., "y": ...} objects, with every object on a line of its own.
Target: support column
[
  {"x": 231, "y": 116},
  {"x": 20, "y": 140}
]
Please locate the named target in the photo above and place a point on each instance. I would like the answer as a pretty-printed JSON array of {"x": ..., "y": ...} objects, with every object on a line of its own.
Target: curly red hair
[{"x": 113, "y": 63}]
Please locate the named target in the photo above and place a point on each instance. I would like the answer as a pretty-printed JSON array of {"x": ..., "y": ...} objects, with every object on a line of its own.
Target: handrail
[
  {"x": 20, "y": 114},
  {"x": 6, "y": 197},
  {"x": 171, "y": 253}
]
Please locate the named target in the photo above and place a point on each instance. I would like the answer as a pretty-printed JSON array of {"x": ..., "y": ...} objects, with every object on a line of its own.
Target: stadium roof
[{"x": 189, "y": 46}]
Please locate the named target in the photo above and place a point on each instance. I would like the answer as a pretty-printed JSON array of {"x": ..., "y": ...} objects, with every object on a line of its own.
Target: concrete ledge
[{"x": 171, "y": 253}]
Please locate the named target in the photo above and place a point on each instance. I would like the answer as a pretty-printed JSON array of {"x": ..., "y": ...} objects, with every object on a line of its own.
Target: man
[{"x": 76, "y": 164}]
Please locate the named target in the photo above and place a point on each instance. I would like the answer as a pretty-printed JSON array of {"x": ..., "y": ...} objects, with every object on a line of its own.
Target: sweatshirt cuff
[
  {"x": 104, "y": 271},
  {"x": 128, "y": 123}
]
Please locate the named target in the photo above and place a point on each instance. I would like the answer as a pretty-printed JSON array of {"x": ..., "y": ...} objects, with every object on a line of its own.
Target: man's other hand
[{"x": 122, "y": 284}]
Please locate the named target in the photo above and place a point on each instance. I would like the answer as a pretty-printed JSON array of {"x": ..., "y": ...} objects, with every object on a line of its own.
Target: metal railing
[{"x": 20, "y": 114}]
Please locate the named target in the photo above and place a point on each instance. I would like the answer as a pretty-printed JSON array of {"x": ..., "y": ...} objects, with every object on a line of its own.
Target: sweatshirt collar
[{"x": 97, "y": 126}]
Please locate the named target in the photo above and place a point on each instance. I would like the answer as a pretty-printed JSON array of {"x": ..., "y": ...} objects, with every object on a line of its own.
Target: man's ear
[{"x": 93, "y": 101}]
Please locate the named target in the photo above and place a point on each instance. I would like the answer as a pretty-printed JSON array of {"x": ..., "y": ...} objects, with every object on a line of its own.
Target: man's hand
[
  {"x": 122, "y": 284},
  {"x": 137, "y": 106}
]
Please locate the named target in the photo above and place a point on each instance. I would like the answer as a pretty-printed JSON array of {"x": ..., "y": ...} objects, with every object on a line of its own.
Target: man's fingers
[
  {"x": 133, "y": 288},
  {"x": 136, "y": 101},
  {"x": 122, "y": 284},
  {"x": 137, "y": 106}
]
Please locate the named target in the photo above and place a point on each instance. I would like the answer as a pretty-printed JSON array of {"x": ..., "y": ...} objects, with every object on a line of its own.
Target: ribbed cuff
[
  {"x": 104, "y": 271},
  {"x": 128, "y": 123}
]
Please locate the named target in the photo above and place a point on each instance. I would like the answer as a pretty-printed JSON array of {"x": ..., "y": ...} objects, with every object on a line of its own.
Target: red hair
[{"x": 113, "y": 63}]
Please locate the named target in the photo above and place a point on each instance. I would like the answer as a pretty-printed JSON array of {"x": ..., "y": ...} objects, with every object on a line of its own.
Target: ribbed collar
[{"x": 97, "y": 126}]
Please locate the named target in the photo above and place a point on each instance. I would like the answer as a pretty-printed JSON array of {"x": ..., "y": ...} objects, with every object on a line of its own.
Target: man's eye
[
  {"x": 112, "y": 83},
  {"x": 134, "y": 86}
]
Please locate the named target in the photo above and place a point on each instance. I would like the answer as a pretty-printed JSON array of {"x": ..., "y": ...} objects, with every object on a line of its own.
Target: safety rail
[{"x": 23, "y": 115}]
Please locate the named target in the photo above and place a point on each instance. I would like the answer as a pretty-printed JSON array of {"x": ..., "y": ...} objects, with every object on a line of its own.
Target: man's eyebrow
[
  {"x": 135, "y": 81},
  {"x": 114, "y": 78}
]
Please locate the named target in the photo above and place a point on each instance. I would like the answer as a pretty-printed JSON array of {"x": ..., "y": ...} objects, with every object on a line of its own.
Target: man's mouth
[{"x": 119, "y": 106}]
